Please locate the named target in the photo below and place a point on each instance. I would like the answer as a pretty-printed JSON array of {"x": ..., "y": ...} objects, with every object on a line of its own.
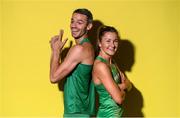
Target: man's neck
[{"x": 80, "y": 39}]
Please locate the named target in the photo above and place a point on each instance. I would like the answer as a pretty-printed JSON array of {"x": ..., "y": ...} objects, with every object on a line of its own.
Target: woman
[{"x": 109, "y": 81}]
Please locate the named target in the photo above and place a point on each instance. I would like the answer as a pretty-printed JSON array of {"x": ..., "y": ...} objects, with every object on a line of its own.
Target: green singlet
[
  {"x": 107, "y": 106},
  {"x": 79, "y": 91}
]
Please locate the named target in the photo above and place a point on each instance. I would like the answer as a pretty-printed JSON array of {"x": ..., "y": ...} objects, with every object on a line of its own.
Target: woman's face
[{"x": 109, "y": 43}]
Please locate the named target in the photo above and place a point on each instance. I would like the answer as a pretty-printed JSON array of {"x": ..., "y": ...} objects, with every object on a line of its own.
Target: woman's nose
[{"x": 112, "y": 44}]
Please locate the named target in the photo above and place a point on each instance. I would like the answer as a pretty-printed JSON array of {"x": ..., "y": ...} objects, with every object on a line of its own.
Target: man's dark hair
[{"x": 86, "y": 12}]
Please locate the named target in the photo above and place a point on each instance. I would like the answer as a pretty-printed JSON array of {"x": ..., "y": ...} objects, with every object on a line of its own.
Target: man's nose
[{"x": 73, "y": 24}]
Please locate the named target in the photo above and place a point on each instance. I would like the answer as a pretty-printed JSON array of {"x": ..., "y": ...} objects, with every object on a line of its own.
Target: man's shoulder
[
  {"x": 81, "y": 51},
  {"x": 76, "y": 49}
]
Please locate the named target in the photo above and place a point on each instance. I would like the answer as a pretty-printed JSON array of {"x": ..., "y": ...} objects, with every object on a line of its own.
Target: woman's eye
[
  {"x": 107, "y": 40},
  {"x": 116, "y": 41}
]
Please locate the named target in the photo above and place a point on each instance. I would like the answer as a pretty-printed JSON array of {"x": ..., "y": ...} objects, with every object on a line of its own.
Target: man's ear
[{"x": 89, "y": 26}]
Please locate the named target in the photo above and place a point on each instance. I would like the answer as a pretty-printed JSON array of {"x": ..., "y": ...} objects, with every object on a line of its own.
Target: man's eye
[{"x": 80, "y": 23}]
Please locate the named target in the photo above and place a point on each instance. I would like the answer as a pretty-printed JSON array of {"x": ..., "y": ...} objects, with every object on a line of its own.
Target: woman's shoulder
[
  {"x": 100, "y": 67},
  {"x": 99, "y": 64}
]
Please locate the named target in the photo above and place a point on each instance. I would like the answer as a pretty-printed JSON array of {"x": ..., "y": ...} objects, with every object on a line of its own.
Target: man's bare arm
[{"x": 56, "y": 47}]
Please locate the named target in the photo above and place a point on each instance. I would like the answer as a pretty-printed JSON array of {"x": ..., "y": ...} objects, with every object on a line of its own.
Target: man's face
[{"x": 79, "y": 25}]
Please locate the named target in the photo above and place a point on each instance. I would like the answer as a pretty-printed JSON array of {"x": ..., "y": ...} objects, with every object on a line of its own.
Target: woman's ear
[{"x": 99, "y": 44}]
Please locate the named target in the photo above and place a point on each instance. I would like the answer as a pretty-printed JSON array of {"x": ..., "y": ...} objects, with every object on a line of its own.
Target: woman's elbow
[{"x": 119, "y": 100}]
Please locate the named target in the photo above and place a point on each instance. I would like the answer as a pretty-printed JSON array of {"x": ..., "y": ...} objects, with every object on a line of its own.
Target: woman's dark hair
[
  {"x": 103, "y": 29},
  {"x": 86, "y": 12}
]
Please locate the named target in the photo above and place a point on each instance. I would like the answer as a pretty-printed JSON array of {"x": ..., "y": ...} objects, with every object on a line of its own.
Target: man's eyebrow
[
  {"x": 78, "y": 20},
  {"x": 81, "y": 20}
]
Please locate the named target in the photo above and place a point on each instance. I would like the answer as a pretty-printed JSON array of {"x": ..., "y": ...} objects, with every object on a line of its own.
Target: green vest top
[
  {"x": 107, "y": 106},
  {"x": 79, "y": 94}
]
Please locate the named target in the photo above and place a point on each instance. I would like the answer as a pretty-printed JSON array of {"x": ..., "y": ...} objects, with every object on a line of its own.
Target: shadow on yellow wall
[
  {"x": 124, "y": 58},
  {"x": 93, "y": 33}
]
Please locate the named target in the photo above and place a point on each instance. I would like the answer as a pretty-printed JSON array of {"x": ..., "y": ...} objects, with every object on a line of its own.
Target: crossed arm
[
  {"x": 103, "y": 73},
  {"x": 126, "y": 85}
]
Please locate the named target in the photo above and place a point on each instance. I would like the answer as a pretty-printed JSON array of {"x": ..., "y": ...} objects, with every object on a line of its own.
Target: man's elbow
[{"x": 53, "y": 80}]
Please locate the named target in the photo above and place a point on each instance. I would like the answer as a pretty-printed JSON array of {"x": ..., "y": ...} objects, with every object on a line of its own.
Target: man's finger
[
  {"x": 61, "y": 32},
  {"x": 53, "y": 39},
  {"x": 64, "y": 42}
]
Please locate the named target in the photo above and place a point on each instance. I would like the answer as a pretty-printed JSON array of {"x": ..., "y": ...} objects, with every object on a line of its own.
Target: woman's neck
[{"x": 105, "y": 56}]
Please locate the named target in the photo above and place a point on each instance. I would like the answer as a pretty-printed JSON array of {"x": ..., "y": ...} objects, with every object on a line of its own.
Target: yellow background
[{"x": 26, "y": 26}]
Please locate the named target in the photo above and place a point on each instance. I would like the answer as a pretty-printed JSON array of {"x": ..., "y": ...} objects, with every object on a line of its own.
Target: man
[{"x": 76, "y": 67}]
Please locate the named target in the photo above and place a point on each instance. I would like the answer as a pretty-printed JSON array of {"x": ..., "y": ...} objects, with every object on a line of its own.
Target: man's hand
[{"x": 56, "y": 42}]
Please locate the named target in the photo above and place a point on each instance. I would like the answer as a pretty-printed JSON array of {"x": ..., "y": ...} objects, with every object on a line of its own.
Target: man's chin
[{"x": 75, "y": 37}]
